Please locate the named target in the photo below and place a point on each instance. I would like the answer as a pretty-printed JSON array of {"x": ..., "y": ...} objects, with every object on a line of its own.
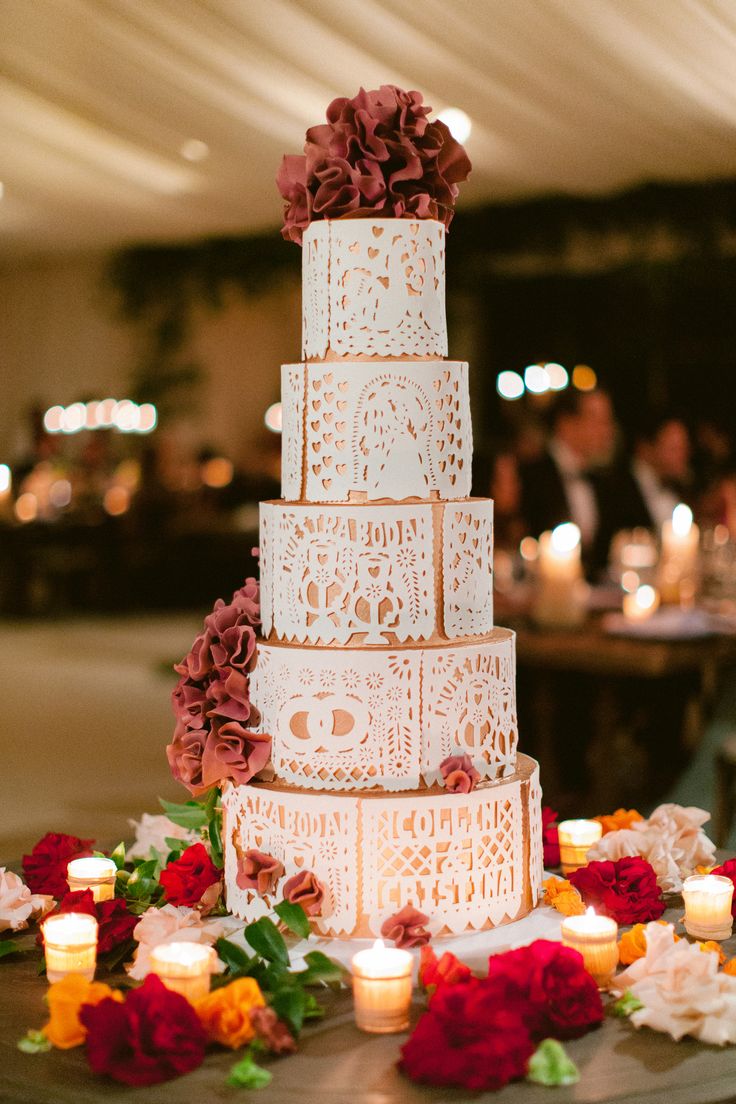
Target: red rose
[
  {"x": 115, "y": 923},
  {"x": 728, "y": 870},
  {"x": 154, "y": 1036},
  {"x": 548, "y": 986},
  {"x": 45, "y": 867},
  {"x": 626, "y": 890},
  {"x": 305, "y": 889},
  {"x": 406, "y": 928},
  {"x": 447, "y": 970},
  {"x": 187, "y": 878},
  {"x": 466, "y": 1038},
  {"x": 550, "y": 838}
]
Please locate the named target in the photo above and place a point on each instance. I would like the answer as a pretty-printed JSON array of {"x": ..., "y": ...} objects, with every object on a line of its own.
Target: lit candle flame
[
  {"x": 682, "y": 520},
  {"x": 565, "y": 537}
]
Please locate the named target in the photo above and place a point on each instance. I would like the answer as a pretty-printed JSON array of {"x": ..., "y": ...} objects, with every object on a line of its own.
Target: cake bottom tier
[{"x": 468, "y": 861}]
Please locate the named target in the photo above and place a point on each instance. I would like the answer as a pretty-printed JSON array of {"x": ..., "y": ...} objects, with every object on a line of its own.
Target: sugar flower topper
[{"x": 377, "y": 154}]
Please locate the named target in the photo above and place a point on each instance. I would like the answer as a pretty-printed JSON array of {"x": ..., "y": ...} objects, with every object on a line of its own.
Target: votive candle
[
  {"x": 641, "y": 604},
  {"x": 707, "y": 900},
  {"x": 95, "y": 873},
  {"x": 594, "y": 937},
  {"x": 184, "y": 967},
  {"x": 70, "y": 945},
  {"x": 382, "y": 989},
  {"x": 576, "y": 838}
]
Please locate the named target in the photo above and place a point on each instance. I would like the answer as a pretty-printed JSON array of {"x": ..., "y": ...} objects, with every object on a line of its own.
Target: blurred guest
[
  {"x": 504, "y": 488},
  {"x": 559, "y": 485}
]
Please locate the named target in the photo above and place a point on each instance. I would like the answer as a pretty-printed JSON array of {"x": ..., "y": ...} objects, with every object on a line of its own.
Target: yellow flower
[
  {"x": 65, "y": 998},
  {"x": 704, "y": 869},
  {"x": 562, "y": 895},
  {"x": 712, "y": 945},
  {"x": 225, "y": 1013},
  {"x": 633, "y": 943},
  {"x": 622, "y": 818}
]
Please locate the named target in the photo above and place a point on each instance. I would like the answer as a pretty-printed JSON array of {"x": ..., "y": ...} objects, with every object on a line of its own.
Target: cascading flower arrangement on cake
[{"x": 378, "y": 153}]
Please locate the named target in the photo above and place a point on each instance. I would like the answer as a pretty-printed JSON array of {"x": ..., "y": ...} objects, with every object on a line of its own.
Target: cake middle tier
[
  {"x": 386, "y": 718},
  {"x": 376, "y": 574}
]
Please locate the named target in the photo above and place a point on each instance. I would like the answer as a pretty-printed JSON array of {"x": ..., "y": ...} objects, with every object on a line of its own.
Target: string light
[
  {"x": 124, "y": 415},
  {"x": 536, "y": 379},
  {"x": 584, "y": 378},
  {"x": 510, "y": 385},
  {"x": 274, "y": 417}
]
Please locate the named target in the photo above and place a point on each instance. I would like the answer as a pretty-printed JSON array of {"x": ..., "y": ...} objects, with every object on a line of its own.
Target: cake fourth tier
[{"x": 468, "y": 861}]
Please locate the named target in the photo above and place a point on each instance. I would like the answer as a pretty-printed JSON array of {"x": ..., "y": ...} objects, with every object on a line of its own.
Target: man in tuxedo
[
  {"x": 558, "y": 486},
  {"x": 643, "y": 490}
]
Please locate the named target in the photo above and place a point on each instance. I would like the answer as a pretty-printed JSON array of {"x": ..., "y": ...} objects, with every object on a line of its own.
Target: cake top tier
[{"x": 378, "y": 154}]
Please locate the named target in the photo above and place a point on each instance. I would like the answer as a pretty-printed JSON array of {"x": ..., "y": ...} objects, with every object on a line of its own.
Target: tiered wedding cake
[{"x": 379, "y": 658}]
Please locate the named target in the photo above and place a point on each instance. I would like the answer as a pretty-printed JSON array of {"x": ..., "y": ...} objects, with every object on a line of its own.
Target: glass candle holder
[
  {"x": 184, "y": 967},
  {"x": 576, "y": 838},
  {"x": 95, "y": 873},
  {"x": 594, "y": 937},
  {"x": 382, "y": 989},
  {"x": 707, "y": 900},
  {"x": 70, "y": 945}
]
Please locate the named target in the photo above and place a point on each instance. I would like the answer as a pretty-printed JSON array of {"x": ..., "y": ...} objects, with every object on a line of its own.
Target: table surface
[{"x": 337, "y": 1064}]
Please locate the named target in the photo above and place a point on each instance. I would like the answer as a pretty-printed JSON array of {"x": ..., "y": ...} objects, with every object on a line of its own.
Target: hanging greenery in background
[{"x": 628, "y": 239}]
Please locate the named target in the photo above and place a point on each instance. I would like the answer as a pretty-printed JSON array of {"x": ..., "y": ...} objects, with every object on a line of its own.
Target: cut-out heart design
[
  {"x": 437, "y": 384},
  {"x": 316, "y": 445},
  {"x": 447, "y": 377},
  {"x": 443, "y": 465},
  {"x": 453, "y": 480},
  {"x": 327, "y": 461},
  {"x": 373, "y": 253},
  {"x": 441, "y": 444},
  {"x": 341, "y": 404},
  {"x": 341, "y": 468},
  {"x": 327, "y": 483},
  {"x": 327, "y": 377},
  {"x": 414, "y": 228},
  {"x": 460, "y": 465},
  {"x": 355, "y": 247},
  {"x": 384, "y": 280},
  {"x": 340, "y": 426},
  {"x": 316, "y": 404},
  {"x": 377, "y": 231},
  {"x": 315, "y": 425},
  {"x": 340, "y": 445},
  {"x": 327, "y": 438},
  {"x": 316, "y": 384},
  {"x": 316, "y": 468},
  {"x": 329, "y": 396},
  {"x": 329, "y": 415},
  {"x": 459, "y": 443},
  {"x": 343, "y": 385}
]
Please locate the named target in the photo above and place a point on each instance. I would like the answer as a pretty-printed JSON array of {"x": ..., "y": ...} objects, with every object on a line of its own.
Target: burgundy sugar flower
[
  {"x": 258, "y": 871},
  {"x": 459, "y": 773},
  {"x": 550, "y": 837},
  {"x": 406, "y": 928},
  {"x": 626, "y": 890},
  {"x": 378, "y": 153},
  {"x": 114, "y": 923},
  {"x": 305, "y": 889}
]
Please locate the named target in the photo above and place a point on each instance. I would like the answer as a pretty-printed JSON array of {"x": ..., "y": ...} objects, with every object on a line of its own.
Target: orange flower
[
  {"x": 712, "y": 945},
  {"x": 704, "y": 869},
  {"x": 562, "y": 895},
  {"x": 622, "y": 818},
  {"x": 225, "y": 1013},
  {"x": 633, "y": 943},
  {"x": 730, "y": 967},
  {"x": 65, "y": 998}
]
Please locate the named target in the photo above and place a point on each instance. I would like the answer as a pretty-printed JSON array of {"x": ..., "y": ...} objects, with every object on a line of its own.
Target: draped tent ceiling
[{"x": 576, "y": 96}]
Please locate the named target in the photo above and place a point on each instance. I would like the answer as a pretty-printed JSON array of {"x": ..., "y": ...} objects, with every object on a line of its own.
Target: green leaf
[
  {"x": 189, "y": 815},
  {"x": 234, "y": 957},
  {"x": 8, "y": 947},
  {"x": 266, "y": 939},
  {"x": 550, "y": 1065},
  {"x": 626, "y": 1004},
  {"x": 176, "y": 846},
  {"x": 114, "y": 958},
  {"x": 290, "y": 1004},
  {"x": 215, "y": 835},
  {"x": 247, "y": 1074},
  {"x": 294, "y": 917},
  {"x": 313, "y": 1010},
  {"x": 320, "y": 968},
  {"x": 35, "y": 1042}
]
